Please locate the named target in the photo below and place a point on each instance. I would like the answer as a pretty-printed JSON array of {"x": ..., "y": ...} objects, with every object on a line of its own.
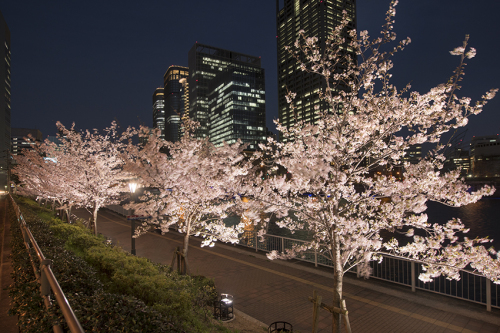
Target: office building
[
  {"x": 317, "y": 19},
  {"x": 5, "y": 102},
  {"x": 413, "y": 154},
  {"x": 237, "y": 107},
  {"x": 485, "y": 156},
  {"x": 24, "y": 138},
  {"x": 227, "y": 95},
  {"x": 461, "y": 160},
  {"x": 176, "y": 91},
  {"x": 159, "y": 111}
]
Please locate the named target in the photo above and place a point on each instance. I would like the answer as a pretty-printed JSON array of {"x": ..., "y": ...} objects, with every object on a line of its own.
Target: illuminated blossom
[
  {"x": 351, "y": 162},
  {"x": 195, "y": 185}
]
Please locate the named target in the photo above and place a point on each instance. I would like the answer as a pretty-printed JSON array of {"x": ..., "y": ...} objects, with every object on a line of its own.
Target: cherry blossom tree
[
  {"x": 35, "y": 174},
  {"x": 352, "y": 157},
  {"x": 84, "y": 170},
  {"x": 42, "y": 178},
  {"x": 92, "y": 164},
  {"x": 194, "y": 186}
]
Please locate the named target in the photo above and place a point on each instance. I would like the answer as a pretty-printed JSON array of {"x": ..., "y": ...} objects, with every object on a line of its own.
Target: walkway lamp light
[
  {"x": 132, "y": 186},
  {"x": 223, "y": 308}
]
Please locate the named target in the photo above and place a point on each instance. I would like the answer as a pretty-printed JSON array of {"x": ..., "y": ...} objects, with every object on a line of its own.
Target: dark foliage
[{"x": 108, "y": 289}]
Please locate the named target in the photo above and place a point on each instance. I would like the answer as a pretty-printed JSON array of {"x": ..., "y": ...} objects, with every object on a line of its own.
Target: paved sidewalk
[
  {"x": 8, "y": 324},
  {"x": 278, "y": 291}
]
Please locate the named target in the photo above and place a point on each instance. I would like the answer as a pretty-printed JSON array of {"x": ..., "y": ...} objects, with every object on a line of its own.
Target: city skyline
[{"x": 91, "y": 63}]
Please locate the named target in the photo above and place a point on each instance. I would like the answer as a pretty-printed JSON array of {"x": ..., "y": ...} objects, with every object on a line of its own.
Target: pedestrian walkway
[
  {"x": 272, "y": 291},
  {"x": 8, "y": 324}
]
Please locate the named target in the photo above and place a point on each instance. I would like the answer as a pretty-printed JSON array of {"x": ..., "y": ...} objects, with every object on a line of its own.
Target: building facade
[
  {"x": 24, "y": 138},
  {"x": 485, "y": 156},
  {"x": 159, "y": 111},
  {"x": 176, "y": 91},
  {"x": 237, "y": 107},
  {"x": 458, "y": 158},
  {"x": 227, "y": 95},
  {"x": 317, "y": 19},
  {"x": 413, "y": 154},
  {"x": 5, "y": 102}
]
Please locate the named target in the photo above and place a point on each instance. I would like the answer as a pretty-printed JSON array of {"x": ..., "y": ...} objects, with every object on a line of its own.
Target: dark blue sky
[{"x": 93, "y": 61}]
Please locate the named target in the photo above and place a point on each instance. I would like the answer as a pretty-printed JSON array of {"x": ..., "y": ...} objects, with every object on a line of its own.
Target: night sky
[{"x": 91, "y": 61}]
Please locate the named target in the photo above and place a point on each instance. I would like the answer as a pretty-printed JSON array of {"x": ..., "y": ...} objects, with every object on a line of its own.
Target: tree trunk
[
  {"x": 57, "y": 205},
  {"x": 68, "y": 212},
  {"x": 96, "y": 209},
  {"x": 186, "y": 246},
  {"x": 338, "y": 277}
]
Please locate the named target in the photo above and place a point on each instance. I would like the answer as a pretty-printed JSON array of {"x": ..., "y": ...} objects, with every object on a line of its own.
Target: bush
[
  {"x": 26, "y": 301},
  {"x": 108, "y": 288},
  {"x": 180, "y": 298},
  {"x": 97, "y": 311},
  {"x": 107, "y": 312}
]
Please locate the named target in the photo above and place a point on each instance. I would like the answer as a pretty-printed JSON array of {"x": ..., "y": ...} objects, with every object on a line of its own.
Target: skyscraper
[
  {"x": 159, "y": 111},
  {"x": 317, "y": 18},
  {"x": 4, "y": 104},
  {"x": 24, "y": 138},
  {"x": 176, "y": 100},
  {"x": 227, "y": 95}
]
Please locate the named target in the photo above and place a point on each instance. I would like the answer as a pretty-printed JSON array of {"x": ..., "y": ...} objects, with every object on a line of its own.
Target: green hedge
[{"x": 109, "y": 289}]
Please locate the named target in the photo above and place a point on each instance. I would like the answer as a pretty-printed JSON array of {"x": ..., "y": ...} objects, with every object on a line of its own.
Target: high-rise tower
[
  {"x": 176, "y": 100},
  {"x": 227, "y": 95},
  {"x": 237, "y": 107},
  {"x": 317, "y": 18},
  {"x": 4, "y": 104},
  {"x": 24, "y": 138},
  {"x": 159, "y": 111}
]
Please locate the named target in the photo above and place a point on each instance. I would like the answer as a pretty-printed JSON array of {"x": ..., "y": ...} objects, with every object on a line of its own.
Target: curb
[{"x": 249, "y": 318}]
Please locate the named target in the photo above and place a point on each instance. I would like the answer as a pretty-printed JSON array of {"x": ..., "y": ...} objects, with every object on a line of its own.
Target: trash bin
[{"x": 280, "y": 326}]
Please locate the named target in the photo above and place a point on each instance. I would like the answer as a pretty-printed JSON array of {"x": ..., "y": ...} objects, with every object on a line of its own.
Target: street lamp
[
  {"x": 132, "y": 186},
  {"x": 223, "y": 308}
]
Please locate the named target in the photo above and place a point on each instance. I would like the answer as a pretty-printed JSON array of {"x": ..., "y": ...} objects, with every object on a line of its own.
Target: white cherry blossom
[{"x": 352, "y": 163}]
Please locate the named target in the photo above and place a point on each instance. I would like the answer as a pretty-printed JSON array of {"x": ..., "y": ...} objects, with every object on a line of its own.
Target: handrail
[
  {"x": 392, "y": 269},
  {"x": 395, "y": 270},
  {"x": 47, "y": 279}
]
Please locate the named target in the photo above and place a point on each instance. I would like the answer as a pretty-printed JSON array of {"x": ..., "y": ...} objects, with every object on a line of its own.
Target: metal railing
[
  {"x": 46, "y": 277},
  {"x": 471, "y": 287},
  {"x": 119, "y": 210}
]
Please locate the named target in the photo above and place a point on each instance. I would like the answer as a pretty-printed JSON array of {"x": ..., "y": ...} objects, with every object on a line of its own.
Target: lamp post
[{"x": 132, "y": 186}]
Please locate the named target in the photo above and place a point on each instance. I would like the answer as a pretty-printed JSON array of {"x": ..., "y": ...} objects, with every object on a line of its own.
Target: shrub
[
  {"x": 107, "y": 312},
  {"x": 97, "y": 311},
  {"x": 108, "y": 288},
  {"x": 26, "y": 301}
]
